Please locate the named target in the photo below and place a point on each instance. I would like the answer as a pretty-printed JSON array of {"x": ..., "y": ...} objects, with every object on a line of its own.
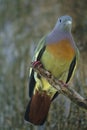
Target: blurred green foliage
[{"x": 22, "y": 24}]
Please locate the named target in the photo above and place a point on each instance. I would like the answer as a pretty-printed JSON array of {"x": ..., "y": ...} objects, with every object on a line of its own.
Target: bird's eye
[{"x": 60, "y": 20}]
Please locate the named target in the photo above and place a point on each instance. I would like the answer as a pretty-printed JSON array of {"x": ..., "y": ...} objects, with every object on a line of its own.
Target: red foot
[
  {"x": 64, "y": 84},
  {"x": 36, "y": 63}
]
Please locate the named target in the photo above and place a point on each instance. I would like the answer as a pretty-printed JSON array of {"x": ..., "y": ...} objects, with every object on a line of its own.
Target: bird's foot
[
  {"x": 37, "y": 64},
  {"x": 64, "y": 84}
]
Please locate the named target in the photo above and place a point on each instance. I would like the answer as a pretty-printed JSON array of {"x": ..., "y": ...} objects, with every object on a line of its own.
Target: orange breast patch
[{"x": 62, "y": 49}]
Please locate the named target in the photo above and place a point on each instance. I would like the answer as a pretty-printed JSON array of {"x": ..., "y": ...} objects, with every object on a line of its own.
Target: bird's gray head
[{"x": 64, "y": 23}]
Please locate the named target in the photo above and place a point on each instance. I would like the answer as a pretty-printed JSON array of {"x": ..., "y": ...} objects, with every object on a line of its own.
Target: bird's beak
[
  {"x": 69, "y": 22},
  {"x": 68, "y": 25}
]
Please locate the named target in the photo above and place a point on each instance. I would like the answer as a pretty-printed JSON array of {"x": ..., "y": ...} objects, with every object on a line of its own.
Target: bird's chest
[{"x": 57, "y": 57}]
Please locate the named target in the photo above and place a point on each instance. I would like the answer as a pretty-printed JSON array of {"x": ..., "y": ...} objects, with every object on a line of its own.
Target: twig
[{"x": 67, "y": 91}]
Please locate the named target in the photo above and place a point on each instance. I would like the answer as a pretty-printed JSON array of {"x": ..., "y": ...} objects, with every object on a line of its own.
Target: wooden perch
[{"x": 67, "y": 91}]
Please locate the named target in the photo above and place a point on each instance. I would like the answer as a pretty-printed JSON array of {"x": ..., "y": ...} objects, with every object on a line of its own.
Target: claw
[
  {"x": 64, "y": 84},
  {"x": 36, "y": 63}
]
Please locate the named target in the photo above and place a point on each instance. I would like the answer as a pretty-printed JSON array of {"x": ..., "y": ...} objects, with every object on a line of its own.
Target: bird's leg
[
  {"x": 63, "y": 83},
  {"x": 37, "y": 63},
  {"x": 40, "y": 65}
]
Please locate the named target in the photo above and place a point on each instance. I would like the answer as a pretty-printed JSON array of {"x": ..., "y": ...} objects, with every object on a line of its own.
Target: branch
[{"x": 67, "y": 91}]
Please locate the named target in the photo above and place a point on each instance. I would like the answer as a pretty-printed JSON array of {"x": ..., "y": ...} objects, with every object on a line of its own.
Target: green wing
[
  {"x": 37, "y": 55},
  {"x": 39, "y": 49},
  {"x": 73, "y": 65}
]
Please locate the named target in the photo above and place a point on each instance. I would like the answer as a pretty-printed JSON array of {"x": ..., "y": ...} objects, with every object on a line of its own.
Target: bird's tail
[{"x": 38, "y": 107}]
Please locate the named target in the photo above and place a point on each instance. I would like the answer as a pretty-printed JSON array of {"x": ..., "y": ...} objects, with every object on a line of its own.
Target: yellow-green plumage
[
  {"x": 58, "y": 54},
  {"x": 57, "y": 57}
]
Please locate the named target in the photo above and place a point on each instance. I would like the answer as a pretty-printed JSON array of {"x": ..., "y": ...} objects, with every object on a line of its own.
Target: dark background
[{"x": 22, "y": 24}]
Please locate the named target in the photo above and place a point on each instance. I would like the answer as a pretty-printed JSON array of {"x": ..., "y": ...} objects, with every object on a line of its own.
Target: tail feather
[{"x": 38, "y": 107}]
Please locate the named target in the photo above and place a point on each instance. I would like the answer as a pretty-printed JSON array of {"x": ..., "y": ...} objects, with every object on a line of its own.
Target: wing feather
[{"x": 37, "y": 56}]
